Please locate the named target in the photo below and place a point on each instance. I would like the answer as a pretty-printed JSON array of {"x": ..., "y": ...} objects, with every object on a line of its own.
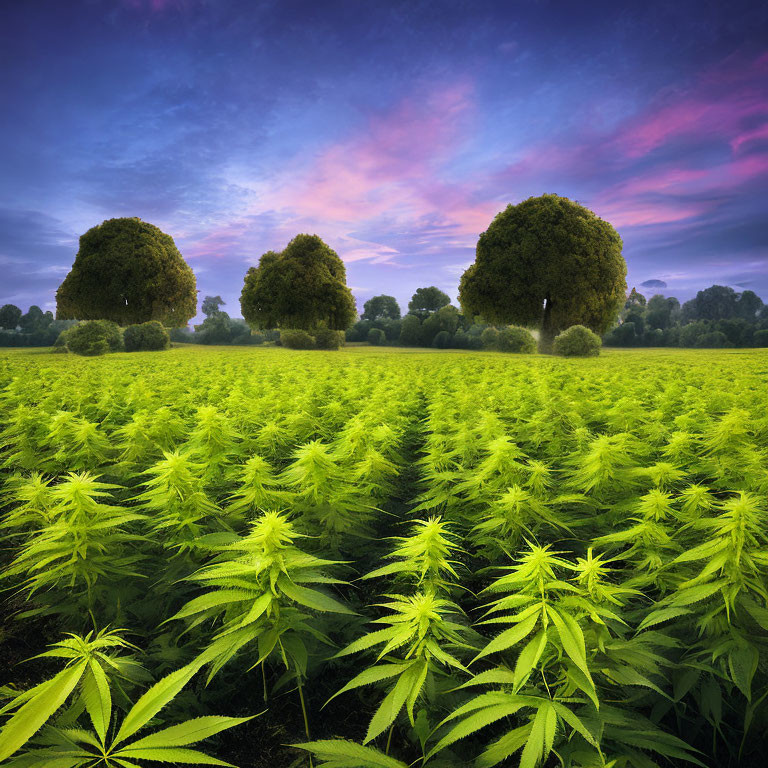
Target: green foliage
[
  {"x": 301, "y": 287},
  {"x": 427, "y": 300},
  {"x": 442, "y": 340},
  {"x": 445, "y": 319},
  {"x": 547, "y": 262},
  {"x": 410, "y": 331},
  {"x": 337, "y": 753},
  {"x": 717, "y": 318},
  {"x": 380, "y": 308},
  {"x": 90, "y": 673},
  {"x": 493, "y": 559},
  {"x": 713, "y": 340},
  {"x": 83, "y": 549},
  {"x": 109, "y": 743},
  {"x": 376, "y": 337},
  {"x": 577, "y": 341},
  {"x": 147, "y": 336},
  {"x": 128, "y": 271},
  {"x": 296, "y": 339},
  {"x": 490, "y": 337},
  {"x": 10, "y": 315},
  {"x": 326, "y": 338},
  {"x": 263, "y": 584},
  {"x": 94, "y": 337},
  {"x": 514, "y": 339}
]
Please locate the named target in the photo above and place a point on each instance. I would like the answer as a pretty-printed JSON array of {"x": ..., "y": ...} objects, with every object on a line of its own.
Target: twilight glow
[{"x": 395, "y": 130}]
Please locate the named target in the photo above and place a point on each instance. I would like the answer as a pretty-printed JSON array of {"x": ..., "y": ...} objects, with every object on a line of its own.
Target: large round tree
[
  {"x": 128, "y": 271},
  {"x": 303, "y": 286},
  {"x": 546, "y": 263}
]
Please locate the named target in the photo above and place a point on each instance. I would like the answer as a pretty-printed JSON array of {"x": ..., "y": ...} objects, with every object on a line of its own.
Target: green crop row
[{"x": 411, "y": 558}]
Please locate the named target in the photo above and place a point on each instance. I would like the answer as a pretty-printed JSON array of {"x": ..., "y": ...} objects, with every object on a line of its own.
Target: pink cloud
[
  {"x": 716, "y": 106},
  {"x": 716, "y": 109},
  {"x": 395, "y": 172},
  {"x": 392, "y": 167}
]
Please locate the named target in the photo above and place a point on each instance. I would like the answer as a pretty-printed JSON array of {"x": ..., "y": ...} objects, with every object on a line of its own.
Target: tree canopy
[
  {"x": 35, "y": 320},
  {"x": 548, "y": 263},
  {"x": 427, "y": 300},
  {"x": 303, "y": 286},
  {"x": 381, "y": 308},
  {"x": 10, "y": 315},
  {"x": 128, "y": 271},
  {"x": 211, "y": 305}
]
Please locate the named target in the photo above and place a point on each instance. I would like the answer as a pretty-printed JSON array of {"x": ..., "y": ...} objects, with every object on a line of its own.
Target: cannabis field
[{"x": 387, "y": 557}]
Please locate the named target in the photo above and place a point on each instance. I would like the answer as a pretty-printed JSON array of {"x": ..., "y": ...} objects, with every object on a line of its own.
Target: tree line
[
  {"x": 546, "y": 263},
  {"x": 717, "y": 317}
]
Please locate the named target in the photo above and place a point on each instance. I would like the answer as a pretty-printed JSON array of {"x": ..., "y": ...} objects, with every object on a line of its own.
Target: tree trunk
[{"x": 547, "y": 334}]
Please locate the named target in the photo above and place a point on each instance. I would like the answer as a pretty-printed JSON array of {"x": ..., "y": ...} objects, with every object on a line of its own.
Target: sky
[{"x": 394, "y": 130}]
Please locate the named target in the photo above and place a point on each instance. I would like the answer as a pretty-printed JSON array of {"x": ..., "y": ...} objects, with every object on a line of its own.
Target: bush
[
  {"x": 296, "y": 339},
  {"x": 623, "y": 335},
  {"x": 146, "y": 337},
  {"x": 713, "y": 340},
  {"x": 691, "y": 333},
  {"x": 182, "y": 335},
  {"x": 577, "y": 341},
  {"x": 442, "y": 340},
  {"x": 410, "y": 331},
  {"x": 94, "y": 337},
  {"x": 760, "y": 339},
  {"x": 654, "y": 337},
  {"x": 376, "y": 337},
  {"x": 515, "y": 339},
  {"x": 325, "y": 338},
  {"x": 60, "y": 345},
  {"x": 489, "y": 337}
]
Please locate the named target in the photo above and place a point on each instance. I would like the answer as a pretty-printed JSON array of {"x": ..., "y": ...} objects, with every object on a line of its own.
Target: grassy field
[{"x": 503, "y": 558}]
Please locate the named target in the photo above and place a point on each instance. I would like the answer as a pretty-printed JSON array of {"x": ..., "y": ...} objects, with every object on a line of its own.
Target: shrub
[
  {"x": 623, "y": 335},
  {"x": 760, "y": 339},
  {"x": 515, "y": 339},
  {"x": 182, "y": 335},
  {"x": 391, "y": 329},
  {"x": 294, "y": 338},
  {"x": 146, "y": 337},
  {"x": 94, "y": 337},
  {"x": 442, "y": 340},
  {"x": 713, "y": 340},
  {"x": 325, "y": 338},
  {"x": 577, "y": 341},
  {"x": 60, "y": 345},
  {"x": 654, "y": 338},
  {"x": 691, "y": 333},
  {"x": 410, "y": 331},
  {"x": 489, "y": 338},
  {"x": 376, "y": 337}
]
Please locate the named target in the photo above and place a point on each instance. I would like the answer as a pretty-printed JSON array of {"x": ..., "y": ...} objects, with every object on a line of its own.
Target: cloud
[{"x": 653, "y": 284}]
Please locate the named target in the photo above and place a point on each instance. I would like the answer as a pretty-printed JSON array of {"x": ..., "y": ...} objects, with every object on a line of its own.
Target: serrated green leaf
[
  {"x": 170, "y": 755},
  {"x": 160, "y": 694},
  {"x": 349, "y": 754},
  {"x": 188, "y": 732},
  {"x": 28, "y": 720},
  {"x": 510, "y": 637}
]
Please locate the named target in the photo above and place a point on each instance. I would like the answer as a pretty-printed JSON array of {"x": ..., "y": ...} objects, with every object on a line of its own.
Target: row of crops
[{"x": 388, "y": 558}]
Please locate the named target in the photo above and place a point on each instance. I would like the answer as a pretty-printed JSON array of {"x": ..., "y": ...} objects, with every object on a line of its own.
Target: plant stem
[
  {"x": 304, "y": 712},
  {"x": 389, "y": 738}
]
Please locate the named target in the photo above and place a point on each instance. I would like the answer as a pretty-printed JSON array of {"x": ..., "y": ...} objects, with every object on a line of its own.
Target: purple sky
[{"x": 394, "y": 130}]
